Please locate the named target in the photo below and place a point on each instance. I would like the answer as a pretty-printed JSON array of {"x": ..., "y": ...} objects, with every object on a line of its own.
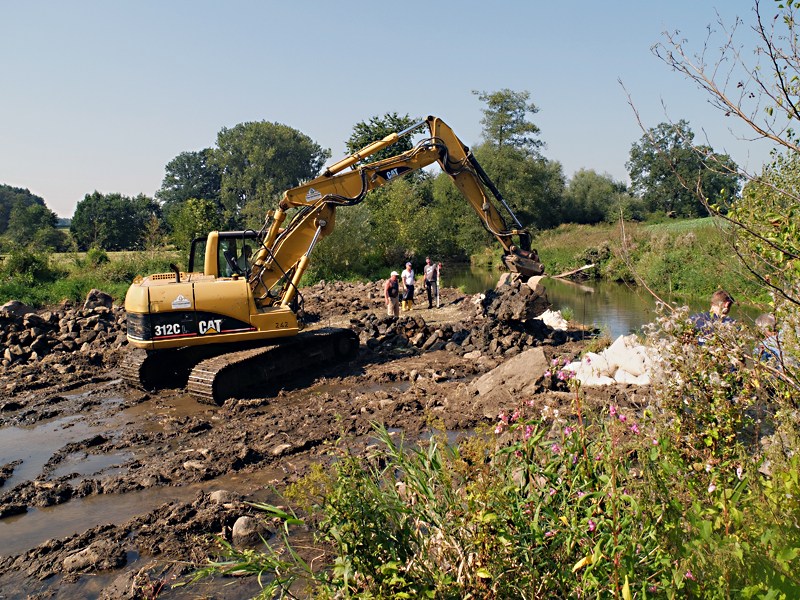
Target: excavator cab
[{"x": 224, "y": 253}]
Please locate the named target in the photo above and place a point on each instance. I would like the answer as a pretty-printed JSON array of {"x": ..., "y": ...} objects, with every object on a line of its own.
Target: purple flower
[
  {"x": 623, "y": 418},
  {"x": 552, "y": 491},
  {"x": 635, "y": 428},
  {"x": 591, "y": 525},
  {"x": 612, "y": 410},
  {"x": 555, "y": 448},
  {"x": 574, "y": 458}
]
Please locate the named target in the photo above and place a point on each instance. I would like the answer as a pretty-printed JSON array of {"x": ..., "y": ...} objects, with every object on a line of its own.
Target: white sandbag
[
  {"x": 644, "y": 380},
  {"x": 622, "y": 376},
  {"x": 598, "y": 381},
  {"x": 553, "y": 319},
  {"x": 616, "y": 353},
  {"x": 596, "y": 363}
]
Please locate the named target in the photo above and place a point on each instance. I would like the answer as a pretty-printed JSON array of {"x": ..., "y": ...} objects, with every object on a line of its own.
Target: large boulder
[
  {"x": 248, "y": 532},
  {"x": 509, "y": 383},
  {"x": 16, "y": 308},
  {"x": 97, "y": 298}
]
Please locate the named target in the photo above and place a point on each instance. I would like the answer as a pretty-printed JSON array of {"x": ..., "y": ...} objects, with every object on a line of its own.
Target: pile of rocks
[
  {"x": 507, "y": 324},
  {"x": 29, "y": 337},
  {"x": 341, "y": 298}
]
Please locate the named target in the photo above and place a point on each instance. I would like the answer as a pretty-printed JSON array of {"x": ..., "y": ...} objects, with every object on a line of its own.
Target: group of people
[
  {"x": 391, "y": 291},
  {"x": 770, "y": 347}
]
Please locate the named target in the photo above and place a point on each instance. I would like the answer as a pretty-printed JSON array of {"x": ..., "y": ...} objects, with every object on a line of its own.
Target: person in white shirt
[{"x": 408, "y": 287}]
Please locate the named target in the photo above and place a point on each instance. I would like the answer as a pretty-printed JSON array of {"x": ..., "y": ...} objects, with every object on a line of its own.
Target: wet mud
[{"x": 109, "y": 492}]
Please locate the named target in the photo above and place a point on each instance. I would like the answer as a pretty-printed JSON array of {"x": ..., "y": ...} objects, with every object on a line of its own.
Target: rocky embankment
[{"x": 67, "y": 343}]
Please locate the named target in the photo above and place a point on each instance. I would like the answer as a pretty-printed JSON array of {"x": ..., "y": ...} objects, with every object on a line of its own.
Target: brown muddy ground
[{"x": 109, "y": 492}]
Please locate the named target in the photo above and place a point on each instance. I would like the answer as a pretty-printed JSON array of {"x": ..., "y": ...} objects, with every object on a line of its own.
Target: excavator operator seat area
[{"x": 234, "y": 252}]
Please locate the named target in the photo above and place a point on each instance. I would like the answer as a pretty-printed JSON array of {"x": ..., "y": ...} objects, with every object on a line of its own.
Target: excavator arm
[{"x": 284, "y": 254}]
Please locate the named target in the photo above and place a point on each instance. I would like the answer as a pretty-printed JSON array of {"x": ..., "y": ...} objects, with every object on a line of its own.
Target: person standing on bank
[
  {"x": 391, "y": 291},
  {"x": 408, "y": 287},
  {"x": 431, "y": 271}
]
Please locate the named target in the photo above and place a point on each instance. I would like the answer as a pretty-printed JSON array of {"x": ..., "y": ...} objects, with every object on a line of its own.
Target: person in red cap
[{"x": 391, "y": 291}]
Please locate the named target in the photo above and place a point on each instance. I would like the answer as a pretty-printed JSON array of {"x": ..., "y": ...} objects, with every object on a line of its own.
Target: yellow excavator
[{"x": 236, "y": 323}]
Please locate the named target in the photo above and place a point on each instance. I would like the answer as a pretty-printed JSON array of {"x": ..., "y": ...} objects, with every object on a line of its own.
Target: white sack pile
[
  {"x": 624, "y": 361},
  {"x": 553, "y": 319}
]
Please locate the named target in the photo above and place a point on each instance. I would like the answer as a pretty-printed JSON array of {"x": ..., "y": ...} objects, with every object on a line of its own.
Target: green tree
[
  {"x": 377, "y": 128},
  {"x": 592, "y": 198},
  {"x": 258, "y": 161},
  {"x": 505, "y": 122},
  {"x": 196, "y": 218},
  {"x": 189, "y": 175},
  {"x": 11, "y": 196},
  {"x": 34, "y": 225},
  {"x": 666, "y": 168},
  {"x": 112, "y": 221}
]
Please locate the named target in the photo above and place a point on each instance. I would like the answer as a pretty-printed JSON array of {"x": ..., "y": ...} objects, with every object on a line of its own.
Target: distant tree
[
  {"x": 190, "y": 175},
  {"x": 377, "y": 128},
  {"x": 505, "y": 122},
  {"x": 9, "y": 196},
  {"x": 112, "y": 221},
  {"x": 258, "y": 161},
  {"x": 664, "y": 156},
  {"x": 592, "y": 198},
  {"x": 25, "y": 220},
  {"x": 196, "y": 218}
]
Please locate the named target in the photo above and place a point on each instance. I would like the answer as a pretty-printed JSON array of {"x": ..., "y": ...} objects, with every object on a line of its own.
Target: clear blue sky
[{"x": 100, "y": 95}]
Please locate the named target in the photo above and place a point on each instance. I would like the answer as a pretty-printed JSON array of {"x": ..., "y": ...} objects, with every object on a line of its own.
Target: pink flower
[
  {"x": 635, "y": 428},
  {"x": 612, "y": 410},
  {"x": 562, "y": 375},
  {"x": 689, "y": 575},
  {"x": 499, "y": 428},
  {"x": 515, "y": 416},
  {"x": 588, "y": 360},
  {"x": 623, "y": 418},
  {"x": 591, "y": 525},
  {"x": 552, "y": 492},
  {"x": 554, "y": 362},
  {"x": 528, "y": 431},
  {"x": 550, "y": 534},
  {"x": 548, "y": 373},
  {"x": 574, "y": 458},
  {"x": 655, "y": 442},
  {"x": 555, "y": 448},
  {"x": 581, "y": 494},
  {"x": 711, "y": 488},
  {"x": 568, "y": 430}
]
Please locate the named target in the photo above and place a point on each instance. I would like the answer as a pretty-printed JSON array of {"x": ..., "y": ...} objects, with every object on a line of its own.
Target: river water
[{"x": 618, "y": 308}]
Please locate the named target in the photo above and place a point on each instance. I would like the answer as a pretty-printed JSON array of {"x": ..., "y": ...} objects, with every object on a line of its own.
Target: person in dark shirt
[{"x": 721, "y": 302}]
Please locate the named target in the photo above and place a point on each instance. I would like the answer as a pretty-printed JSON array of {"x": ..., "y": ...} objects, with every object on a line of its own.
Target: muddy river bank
[{"x": 110, "y": 492}]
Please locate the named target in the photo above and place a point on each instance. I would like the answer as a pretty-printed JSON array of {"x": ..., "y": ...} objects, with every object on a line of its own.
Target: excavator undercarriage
[{"x": 215, "y": 373}]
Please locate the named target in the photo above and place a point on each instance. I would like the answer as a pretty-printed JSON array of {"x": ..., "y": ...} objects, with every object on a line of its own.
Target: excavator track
[
  {"x": 159, "y": 369},
  {"x": 214, "y": 380}
]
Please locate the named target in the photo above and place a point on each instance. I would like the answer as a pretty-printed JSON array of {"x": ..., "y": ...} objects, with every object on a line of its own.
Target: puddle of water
[
  {"x": 84, "y": 463},
  {"x": 22, "y": 532},
  {"x": 35, "y": 445},
  {"x": 16, "y": 586}
]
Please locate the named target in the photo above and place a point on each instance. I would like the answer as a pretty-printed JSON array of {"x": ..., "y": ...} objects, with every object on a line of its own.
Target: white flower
[{"x": 711, "y": 488}]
